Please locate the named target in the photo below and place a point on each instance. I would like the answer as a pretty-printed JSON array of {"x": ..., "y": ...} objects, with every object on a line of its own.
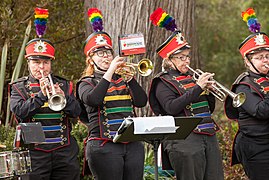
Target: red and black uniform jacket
[
  {"x": 252, "y": 116},
  {"x": 29, "y": 105},
  {"x": 176, "y": 94},
  {"x": 108, "y": 103}
]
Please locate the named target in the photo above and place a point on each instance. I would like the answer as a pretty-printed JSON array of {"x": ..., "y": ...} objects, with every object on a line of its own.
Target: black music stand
[
  {"x": 31, "y": 133},
  {"x": 186, "y": 125}
]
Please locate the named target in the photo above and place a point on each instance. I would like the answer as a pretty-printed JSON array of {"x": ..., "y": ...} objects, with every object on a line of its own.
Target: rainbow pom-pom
[
  {"x": 160, "y": 18},
  {"x": 41, "y": 19},
  {"x": 95, "y": 18},
  {"x": 249, "y": 16}
]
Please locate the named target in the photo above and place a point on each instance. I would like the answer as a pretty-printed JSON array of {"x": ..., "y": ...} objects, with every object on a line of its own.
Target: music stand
[
  {"x": 186, "y": 125},
  {"x": 28, "y": 134}
]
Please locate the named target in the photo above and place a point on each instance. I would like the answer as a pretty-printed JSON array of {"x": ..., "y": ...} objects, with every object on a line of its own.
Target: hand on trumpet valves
[
  {"x": 44, "y": 84},
  {"x": 116, "y": 63},
  {"x": 58, "y": 89},
  {"x": 205, "y": 80}
]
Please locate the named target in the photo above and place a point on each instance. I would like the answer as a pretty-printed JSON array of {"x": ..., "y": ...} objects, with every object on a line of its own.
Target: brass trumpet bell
[{"x": 144, "y": 67}]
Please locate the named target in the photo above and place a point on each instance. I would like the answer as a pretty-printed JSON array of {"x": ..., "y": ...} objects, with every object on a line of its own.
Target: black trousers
[
  {"x": 115, "y": 161},
  {"x": 195, "y": 158},
  {"x": 59, "y": 164},
  {"x": 253, "y": 153}
]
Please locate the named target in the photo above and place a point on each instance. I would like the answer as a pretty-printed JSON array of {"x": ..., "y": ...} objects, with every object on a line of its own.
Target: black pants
[
  {"x": 253, "y": 153},
  {"x": 195, "y": 158},
  {"x": 59, "y": 164},
  {"x": 115, "y": 161}
]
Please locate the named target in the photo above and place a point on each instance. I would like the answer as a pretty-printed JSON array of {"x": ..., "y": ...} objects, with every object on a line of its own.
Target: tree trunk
[{"x": 132, "y": 16}]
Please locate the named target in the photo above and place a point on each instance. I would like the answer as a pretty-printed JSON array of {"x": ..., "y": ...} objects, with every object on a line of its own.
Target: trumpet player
[
  {"x": 56, "y": 158},
  {"x": 175, "y": 92},
  {"x": 251, "y": 144},
  {"x": 107, "y": 99}
]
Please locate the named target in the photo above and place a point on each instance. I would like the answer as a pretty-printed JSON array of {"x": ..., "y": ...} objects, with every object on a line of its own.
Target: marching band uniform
[
  {"x": 175, "y": 93},
  {"x": 56, "y": 158},
  {"x": 106, "y": 103},
  {"x": 251, "y": 143}
]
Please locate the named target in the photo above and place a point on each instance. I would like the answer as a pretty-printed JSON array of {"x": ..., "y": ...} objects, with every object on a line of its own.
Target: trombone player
[
  {"x": 175, "y": 92},
  {"x": 56, "y": 158}
]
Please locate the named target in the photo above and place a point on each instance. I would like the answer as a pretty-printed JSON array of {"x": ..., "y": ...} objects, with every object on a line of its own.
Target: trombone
[
  {"x": 56, "y": 101},
  {"x": 219, "y": 91},
  {"x": 144, "y": 67}
]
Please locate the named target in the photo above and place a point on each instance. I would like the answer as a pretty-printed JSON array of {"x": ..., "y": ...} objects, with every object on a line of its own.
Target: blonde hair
[{"x": 89, "y": 69}]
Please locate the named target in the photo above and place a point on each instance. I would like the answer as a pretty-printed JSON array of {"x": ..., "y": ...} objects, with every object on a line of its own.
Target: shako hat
[
  {"x": 40, "y": 48},
  {"x": 256, "y": 41},
  {"x": 99, "y": 38},
  {"x": 176, "y": 41}
]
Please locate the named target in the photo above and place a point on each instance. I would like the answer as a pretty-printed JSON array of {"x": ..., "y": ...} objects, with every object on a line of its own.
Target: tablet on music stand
[{"x": 183, "y": 126}]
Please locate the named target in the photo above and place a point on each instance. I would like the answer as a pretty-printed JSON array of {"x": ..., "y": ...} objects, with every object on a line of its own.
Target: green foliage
[
  {"x": 221, "y": 30},
  {"x": 7, "y": 135},
  {"x": 228, "y": 130},
  {"x": 80, "y": 132}
]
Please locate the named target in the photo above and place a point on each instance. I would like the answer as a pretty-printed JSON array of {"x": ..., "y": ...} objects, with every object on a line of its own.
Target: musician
[
  {"x": 56, "y": 158},
  {"x": 174, "y": 92},
  {"x": 251, "y": 144},
  {"x": 107, "y": 99}
]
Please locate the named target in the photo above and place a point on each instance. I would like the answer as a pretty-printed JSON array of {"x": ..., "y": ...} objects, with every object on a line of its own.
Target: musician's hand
[
  {"x": 44, "y": 84},
  {"x": 204, "y": 80},
  {"x": 116, "y": 63},
  {"x": 58, "y": 89},
  {"x": 210, "y": 86}
]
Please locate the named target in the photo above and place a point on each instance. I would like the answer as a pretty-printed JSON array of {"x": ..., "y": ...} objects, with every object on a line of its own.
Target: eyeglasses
[
  {"x": 261, "y": 57},
  {"x": 182, "y": 57},
  {"x": 103, "y": 52}
]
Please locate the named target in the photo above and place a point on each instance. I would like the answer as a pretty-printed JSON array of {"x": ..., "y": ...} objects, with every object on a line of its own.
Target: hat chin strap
[
  {"x": 253, "y": 66},
  {"x": 97, "y": 67},
  {"x": 174, "y": 64}
]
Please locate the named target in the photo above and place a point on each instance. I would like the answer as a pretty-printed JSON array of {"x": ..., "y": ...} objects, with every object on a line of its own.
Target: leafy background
[{"x": 219, "y": 31}]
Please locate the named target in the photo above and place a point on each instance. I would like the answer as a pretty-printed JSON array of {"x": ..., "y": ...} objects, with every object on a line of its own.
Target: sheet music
[{"x": 154, "y": 125}]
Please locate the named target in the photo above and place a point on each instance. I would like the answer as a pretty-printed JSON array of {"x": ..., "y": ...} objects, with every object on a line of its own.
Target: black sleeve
[
  {"x": 72, "y": 108},
  {"x": 93, "y": 95},
  {"x": 254, "y": 104},
  {"x": 139, "y": 96},
  {"x": 171, "y": 102},
  {"x": 25, "y": 108}
]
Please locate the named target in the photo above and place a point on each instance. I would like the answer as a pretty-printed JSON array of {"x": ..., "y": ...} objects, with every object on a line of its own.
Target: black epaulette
[
  {"x": 22, "y": 79},
  {"x": 240, "y": 77},
  {"x": 161, "y": 73}
]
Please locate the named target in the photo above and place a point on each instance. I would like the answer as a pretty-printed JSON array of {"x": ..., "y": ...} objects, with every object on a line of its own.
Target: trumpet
[
  {"x": 56, "y": 101},
  {"x": 219, "y": 91},
  {"x": 144, "y": 67}
]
